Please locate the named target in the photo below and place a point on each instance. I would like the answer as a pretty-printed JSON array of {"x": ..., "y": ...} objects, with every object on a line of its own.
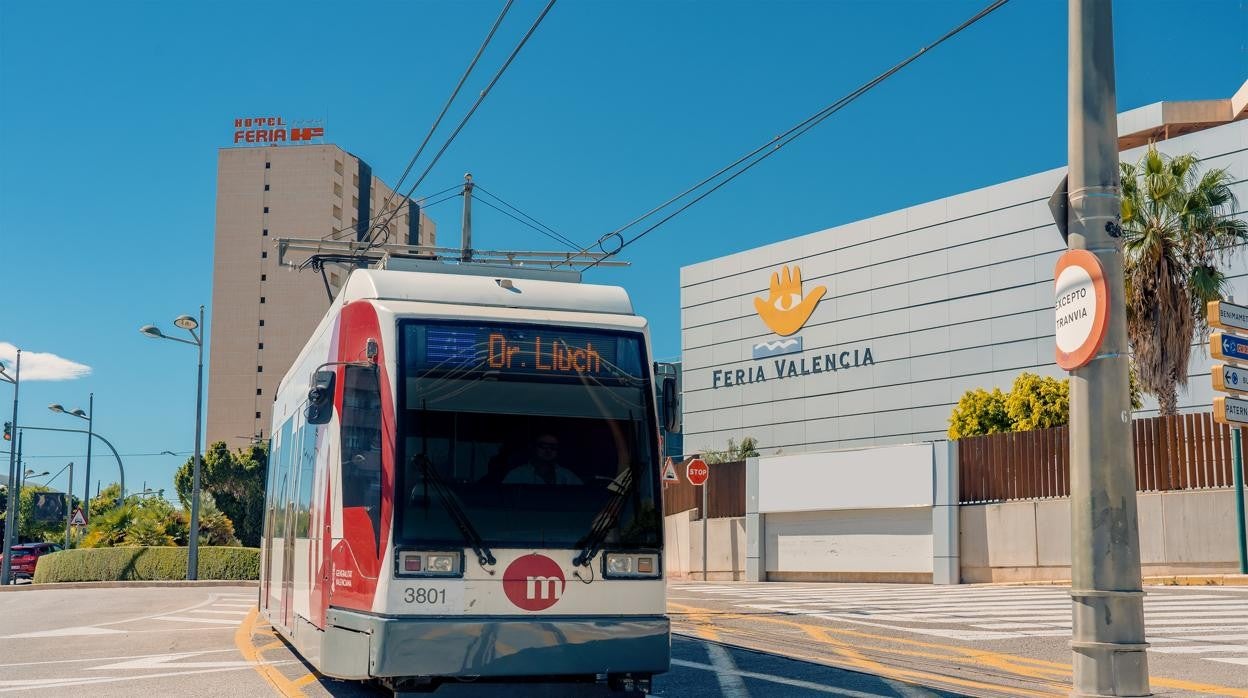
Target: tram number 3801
[{"x": 424, "y": 595}]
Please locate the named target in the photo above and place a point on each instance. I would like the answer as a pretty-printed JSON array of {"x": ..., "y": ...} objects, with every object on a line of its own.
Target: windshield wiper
[
  {"x": 484, "y": 555},
  {"x": 606, "y": 518}
]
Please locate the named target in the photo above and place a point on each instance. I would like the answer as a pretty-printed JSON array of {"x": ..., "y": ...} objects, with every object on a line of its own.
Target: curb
[
  {"x": 1170, "y": 580},
  {"x": 134, "y": 584}
]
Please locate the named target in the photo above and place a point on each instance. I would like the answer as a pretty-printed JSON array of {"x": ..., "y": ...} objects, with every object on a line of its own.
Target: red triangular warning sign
[
  {"x": 78, "y": 519},
  {"x": 669, "y": 472}
]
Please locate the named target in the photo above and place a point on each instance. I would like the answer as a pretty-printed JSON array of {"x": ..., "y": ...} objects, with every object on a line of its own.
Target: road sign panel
[
  {"x": 1230, "y": 410},
  {"x": 78, "y": 519},
  {"x": 1228, "y": 316},
  {"x": 1229, "y": 379},
  {"x": 669, "y": 472},
  {"x": 1081, "y": 308},
  {"x": 1228, "y": 347},
  {"x": 697, "y": 471}
]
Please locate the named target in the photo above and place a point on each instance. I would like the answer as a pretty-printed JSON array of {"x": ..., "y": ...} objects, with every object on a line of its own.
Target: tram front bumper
[{"x": 361, "y": 645}]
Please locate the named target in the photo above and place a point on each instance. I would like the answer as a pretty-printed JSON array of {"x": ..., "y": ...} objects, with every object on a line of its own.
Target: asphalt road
[{"x": 196, "y": 641}]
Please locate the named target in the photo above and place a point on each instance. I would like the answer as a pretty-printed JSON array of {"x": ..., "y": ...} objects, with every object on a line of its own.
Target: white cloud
[{"x": 41, "y": 366}]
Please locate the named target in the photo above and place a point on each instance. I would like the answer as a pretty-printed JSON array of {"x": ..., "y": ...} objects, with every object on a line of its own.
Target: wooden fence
[
  {"x": 1180, "y": 452},
  {"x": 725, "y": 496}
]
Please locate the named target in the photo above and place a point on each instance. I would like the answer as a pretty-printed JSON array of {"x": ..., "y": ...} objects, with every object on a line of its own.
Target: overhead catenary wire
[
  {"x": 761, "y": 153},
  {"x": 445, "y": 108},
  {"x": 553, "y": 233},
  {"x": 333, "y": 235},
  {"x": 475, "y": 105},
  {"x": 555, "y": 236}
]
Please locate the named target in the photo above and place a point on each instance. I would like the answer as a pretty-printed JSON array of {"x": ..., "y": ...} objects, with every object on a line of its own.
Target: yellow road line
[
  {"x": 304, "y": 680},
  {"x": 246, "y": 646},
  {"x": 1008, "y": 663}
]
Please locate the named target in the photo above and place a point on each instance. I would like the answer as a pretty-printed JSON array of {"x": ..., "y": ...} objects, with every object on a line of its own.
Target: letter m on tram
[{"x": 547, "y": 587}]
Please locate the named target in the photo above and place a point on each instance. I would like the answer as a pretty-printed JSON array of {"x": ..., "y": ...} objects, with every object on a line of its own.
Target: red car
[{"x": 26, "y": 556}]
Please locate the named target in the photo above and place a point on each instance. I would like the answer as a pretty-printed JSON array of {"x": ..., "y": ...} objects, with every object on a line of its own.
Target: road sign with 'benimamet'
[{"x": 1228, "y": 316}]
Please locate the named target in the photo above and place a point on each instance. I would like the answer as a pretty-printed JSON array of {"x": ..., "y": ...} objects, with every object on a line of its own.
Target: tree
[
  {"x": 105, "y": 500},
  {"x": 1034, "y": 402},
  {"x": 235, "y": 480},
  {"x": 979, "y": 412},
  {"x": 747, "y": 449},
  {"x": 1176, "y": 232}
]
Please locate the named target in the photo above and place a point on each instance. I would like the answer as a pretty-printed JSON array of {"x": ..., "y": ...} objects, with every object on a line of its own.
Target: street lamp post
[
  {"x": 10, "y": 529},
  {"x": 189, "y": 324},
  {"x": 89, "y": 416}
]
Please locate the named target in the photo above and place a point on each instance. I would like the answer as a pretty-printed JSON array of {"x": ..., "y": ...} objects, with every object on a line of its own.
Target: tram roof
[{"x": 500, "y": 290}]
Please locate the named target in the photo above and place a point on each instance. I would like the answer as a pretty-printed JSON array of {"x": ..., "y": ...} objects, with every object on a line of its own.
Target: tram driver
[{"x": 543, "y": 467}]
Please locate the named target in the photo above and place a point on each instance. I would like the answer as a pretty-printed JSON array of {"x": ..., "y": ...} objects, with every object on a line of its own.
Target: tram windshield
[{"x": 536, "y": 435}]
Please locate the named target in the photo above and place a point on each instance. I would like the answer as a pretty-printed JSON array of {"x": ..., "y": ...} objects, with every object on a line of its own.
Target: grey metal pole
[
  {"x": 86, "y": 483},
  {"x": 706, "y": 524},
  {"x": 192, "y": 551},
  {"x": 1237, "y": 460},
  {"x": 69, "y": 503},
  {"x": 10, "y": 525},
  {"x": 465, "y": 253},
  {"x": 1108, "y": 644}
]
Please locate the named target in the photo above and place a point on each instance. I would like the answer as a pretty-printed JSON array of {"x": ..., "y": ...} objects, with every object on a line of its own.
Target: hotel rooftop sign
[{"x": 271, "y": 130}]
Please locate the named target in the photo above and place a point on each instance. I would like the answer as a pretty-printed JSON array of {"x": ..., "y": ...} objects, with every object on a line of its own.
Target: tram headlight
[
  {"x": 418, "y": 563},
  {"x": 630, "y": 565}
]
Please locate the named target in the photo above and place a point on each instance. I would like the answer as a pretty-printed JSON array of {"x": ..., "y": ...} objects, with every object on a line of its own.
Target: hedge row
[{"x": 152, "y": 563}]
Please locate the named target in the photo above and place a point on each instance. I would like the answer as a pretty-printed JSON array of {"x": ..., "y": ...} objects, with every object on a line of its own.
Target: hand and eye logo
[{"x": 786, "y": 310}]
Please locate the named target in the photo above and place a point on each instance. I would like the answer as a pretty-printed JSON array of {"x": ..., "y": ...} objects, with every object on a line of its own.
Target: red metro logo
[{"x": 534, "y": 582}]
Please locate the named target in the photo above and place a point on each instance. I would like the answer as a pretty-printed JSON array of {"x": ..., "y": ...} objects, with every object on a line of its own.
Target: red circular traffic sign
[
  {"x": 697, "y": 472},
  {"x": 1081, "y": 308},
  {"x": 534, "y": 582}
]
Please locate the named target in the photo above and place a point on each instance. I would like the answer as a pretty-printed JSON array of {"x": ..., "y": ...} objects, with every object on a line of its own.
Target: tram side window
[
  {"x": 282, "y": 479},
  {"x": 361, "y": 443},
  {"x": 306, "y": 457}
]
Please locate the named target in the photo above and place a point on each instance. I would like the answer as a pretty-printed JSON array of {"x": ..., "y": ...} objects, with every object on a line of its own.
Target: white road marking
[
  {"x": 1211, "y": 621},
  {"x": 188, "y": 619},
  {"x": 730, "y": 683},
  {"x": 84, "y": 660},
  {"x": 171, "y": 661},
  {"x": 1229, "y": 660},
  {"x": 796, "y": 683},
  {"x": 65, "y": 632},
  {"x": 227, "y": 613},
  {"x": 28, "y": 684}
]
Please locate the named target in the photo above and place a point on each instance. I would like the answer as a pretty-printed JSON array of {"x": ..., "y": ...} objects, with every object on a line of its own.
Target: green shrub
[{"x": 145, "y": 563}]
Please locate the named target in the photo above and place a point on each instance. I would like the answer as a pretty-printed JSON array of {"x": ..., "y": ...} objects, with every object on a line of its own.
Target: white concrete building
[{"x": 918, "y": 306}]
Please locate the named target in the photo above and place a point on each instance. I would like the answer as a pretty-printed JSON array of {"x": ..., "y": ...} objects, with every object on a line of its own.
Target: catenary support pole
[
  {"x": 10, "y": 524},
  {"x": 69, "y": 503},
  {"x": 1237, "y": 463},
  {"x": 86, "y": 483},
  {"x": 1108, "y": 633},
  {"x": 192, "y": 548},
  {"x": 465, "y": 252}
]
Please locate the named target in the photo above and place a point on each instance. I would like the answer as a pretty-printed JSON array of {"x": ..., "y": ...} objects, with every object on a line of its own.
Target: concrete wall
[
  {"x": 877, "y": 545},
  {"x": 1180, "y": 533},
  {"x": 682, "y": 554}
]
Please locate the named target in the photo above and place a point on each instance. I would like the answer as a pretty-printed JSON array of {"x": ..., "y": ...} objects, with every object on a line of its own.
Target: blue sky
[{"x": 111, "y": 115}]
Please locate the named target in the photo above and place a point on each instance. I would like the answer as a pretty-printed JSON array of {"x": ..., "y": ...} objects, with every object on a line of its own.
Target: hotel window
[
  {"x": 259, "y": 369},
  {"x": 259, "y": 391},
  {"x": 337, "y": 167},
  {"x": 355, "y": 202},
  {"x": 338, "y": 212},
  {"x": 337, "y": 189},
  {"x": 265, "y": 233},
  {"x": 264, "y": 255},
  {"x": 266, "y": 209},
  {"x": 264, "y": 277},
  {"x": 266, "y": 187},
  {"x": 261, "y": 299},
  {"x": 355, "y": 180},
  {"x": 262, "y": 323},
  {"x": 268, "y": 165},
  {"x": 257, "y": 415},
  {"x": 260, "y": 345}
]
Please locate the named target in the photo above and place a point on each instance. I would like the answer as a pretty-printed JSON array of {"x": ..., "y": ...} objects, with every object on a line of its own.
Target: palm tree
[{"x": 1177, "y": 231}]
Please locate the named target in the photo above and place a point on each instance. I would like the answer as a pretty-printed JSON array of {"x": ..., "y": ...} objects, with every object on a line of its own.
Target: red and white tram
[{"x": 464, "y": 482}]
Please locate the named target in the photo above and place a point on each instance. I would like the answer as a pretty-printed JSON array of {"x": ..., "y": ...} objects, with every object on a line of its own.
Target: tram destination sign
[
  {"x": 1227, "y": 316},
  {"x": 1230, "y": 410},
  {"x": 1229, "y": 379},
  {"x": 1228, "y": 347}
]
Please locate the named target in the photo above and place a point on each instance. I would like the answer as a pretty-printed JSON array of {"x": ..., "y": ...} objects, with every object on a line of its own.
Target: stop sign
[{"x": 697, "y": 472}]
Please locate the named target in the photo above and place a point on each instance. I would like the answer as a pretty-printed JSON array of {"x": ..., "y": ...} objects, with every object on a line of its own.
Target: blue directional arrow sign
[
  {"x": 1228, "y": 347},
  {"x": 1229, "y": 379}
]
